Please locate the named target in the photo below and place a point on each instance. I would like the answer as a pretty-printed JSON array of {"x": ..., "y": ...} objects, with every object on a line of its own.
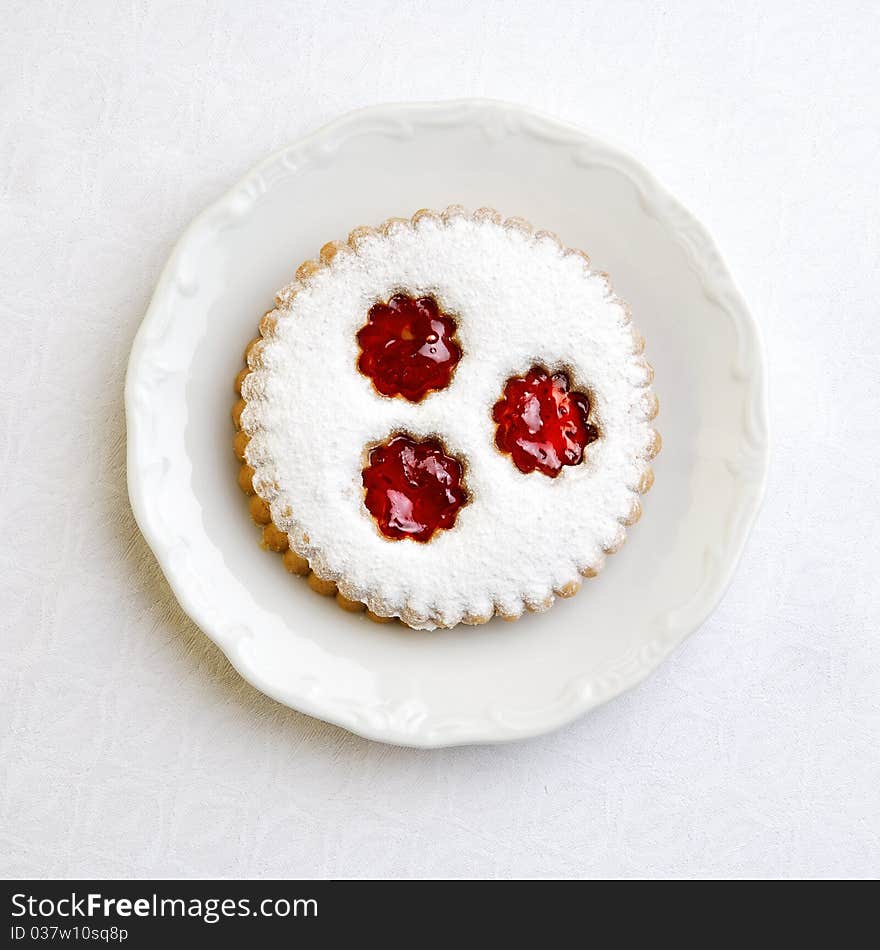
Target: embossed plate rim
[{"x": 405, "y": 722}]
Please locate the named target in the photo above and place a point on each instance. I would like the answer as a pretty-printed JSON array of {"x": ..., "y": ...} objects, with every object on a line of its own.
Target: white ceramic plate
[{"x": 500, "y": 681}]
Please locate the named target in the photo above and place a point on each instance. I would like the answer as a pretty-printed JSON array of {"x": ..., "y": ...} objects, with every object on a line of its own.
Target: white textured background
[{"x": 129, "y": 747}]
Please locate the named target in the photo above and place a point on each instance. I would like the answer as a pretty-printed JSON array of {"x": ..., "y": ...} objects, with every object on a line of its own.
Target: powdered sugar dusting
[{"x": 518, "y": 299}]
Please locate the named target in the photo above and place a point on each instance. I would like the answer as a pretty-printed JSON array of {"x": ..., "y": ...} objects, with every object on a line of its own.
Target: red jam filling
[
  {"x": 407, "y": 347},
  {"x": 413, "y": 488},
  {"x": 542, "y": 425}
]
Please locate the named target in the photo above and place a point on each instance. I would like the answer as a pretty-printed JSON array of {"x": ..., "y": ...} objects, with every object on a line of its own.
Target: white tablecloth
[{"x": 128, "y": 746}]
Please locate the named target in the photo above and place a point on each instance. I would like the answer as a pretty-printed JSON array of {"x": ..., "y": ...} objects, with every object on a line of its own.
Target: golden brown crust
[
  {"x": 475, "y": 620},
  {"x": 274, "y": 539},
  {"x": 643, "y": 486},
  {"x": 246, "y": 479},
  {"x": 567, "y": 590},
  {"x": 425, "y": 214},
  {"x": 649, "y": 370},
  {"x": 536, "y": 606},
  {"x": 250, "y": 346},
  {"x": 617, "y": 542},
  {"x": 237, "y": 410},
  {"x": 633, "y": 515},
  {"x": 259, "y": 510},
  {"x": 239, "y": 444},
  {"x": 352, "y": 606},
  {"x": 239, "y": 380},
  {"x": 391, "y": 223},
  {"x": 505, "y": 615},
  {"x": 377, "y": 618},
  {"x": 358, "y": 234},
  {"x": 296, "y": 564},
  {"x": 329, "y": 251},
  {"x": 576, "y": 252},
  {"x": 307, "y": 268},
  {"x": 519, "y": 224},
  {"x": 485, "y": 214},
  {"x": 321, "y": 586}
]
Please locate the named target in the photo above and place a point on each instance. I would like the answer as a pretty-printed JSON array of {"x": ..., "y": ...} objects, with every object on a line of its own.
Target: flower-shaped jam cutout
[
  {"x": 408, "y": 347},
  {"x": 413, "y": 489},
  {"x": 542, "y": 425}
]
